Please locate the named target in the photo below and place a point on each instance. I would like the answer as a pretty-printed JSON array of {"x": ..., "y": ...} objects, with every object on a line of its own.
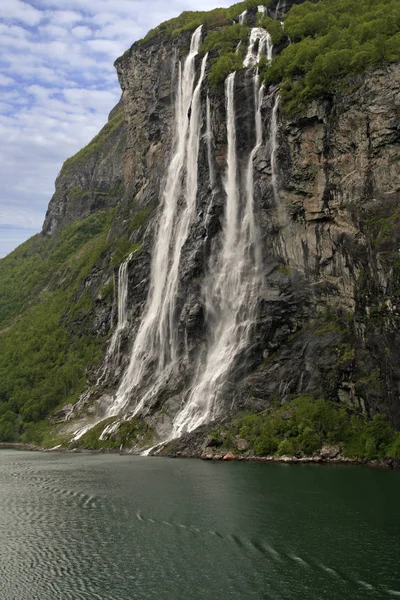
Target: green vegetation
[
  {"x": 43, "y": 260},
  {"x": 332, "y": 39},
  {"x": 123, "y": 250},
  {"x": 223, "y": 66},
  {"x": 129, "y": 433},
  {"x": 222, "y": 45},
  {"x": 225, "y": 41},
  {"x": 95, "y": 145},
  {"x": 47, "y": 312},
  {"x": 140, "y": 218},
  {"x": 304, "y": 425},
  {"x": 46, "y": 320},
  {"x": 45, "y": 351},
  {"x": 190, "y": 20}
]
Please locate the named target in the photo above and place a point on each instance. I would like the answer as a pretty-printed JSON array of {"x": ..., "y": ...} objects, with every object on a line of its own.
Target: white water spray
[
  {"x": 155, "y": 350},
  {"x": 242, "y": 17},
  {"x": 260, "y": 35},
  {"x": 232, "y": 287}
]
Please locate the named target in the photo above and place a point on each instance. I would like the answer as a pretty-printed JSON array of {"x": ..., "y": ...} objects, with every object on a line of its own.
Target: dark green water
[{"x": 106, "y": 527}]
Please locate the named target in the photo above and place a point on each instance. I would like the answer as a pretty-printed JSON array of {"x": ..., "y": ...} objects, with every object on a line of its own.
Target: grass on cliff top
[
  {"x": 330, "y": 40},
  {"x": 97, "y": 142},
  {"x": 303, "y": 426},
  {"x": 190, "y": 20}
]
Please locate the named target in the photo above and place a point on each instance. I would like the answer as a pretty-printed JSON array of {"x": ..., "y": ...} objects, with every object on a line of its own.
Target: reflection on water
[{"x": 121, "y": 528}]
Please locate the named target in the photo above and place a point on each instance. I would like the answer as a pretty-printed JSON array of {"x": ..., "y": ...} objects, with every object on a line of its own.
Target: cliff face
[
  {"x": 91, "y": 180},
  {"x": 328, "y": 311},
  {"x": 326, "y": 194}
]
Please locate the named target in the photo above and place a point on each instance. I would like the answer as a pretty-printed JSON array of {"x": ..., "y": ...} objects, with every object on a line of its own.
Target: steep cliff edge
[
  {"x": 92, "y": 179},
  {"x": 326, "y": 193}
]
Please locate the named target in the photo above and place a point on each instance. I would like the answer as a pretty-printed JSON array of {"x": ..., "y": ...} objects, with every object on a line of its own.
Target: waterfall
[
  {"x": 274, "y": 149},
  {"x": 155, "y": 349},
  {"x": 209, "y": 137},
  {"x": 280, "y": 7},
  {"x": 242, "y": 17},
  {"x": 262, "y": 9},
  {"x": 258, "y": 98},
  {"x": 112, "y": 354},
  {"x": 260, "y": 35},
  {"x": 122, "y": 306},
  {"x": 232, "y": 287}
]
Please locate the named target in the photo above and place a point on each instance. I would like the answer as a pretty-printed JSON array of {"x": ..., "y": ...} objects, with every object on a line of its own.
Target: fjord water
[{"x": 106, "y": 527}]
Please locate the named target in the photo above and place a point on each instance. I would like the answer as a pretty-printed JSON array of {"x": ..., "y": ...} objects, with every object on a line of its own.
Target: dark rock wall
[
  {"x": 329, "y": 311},
  {"x": 91, "y": 180}
]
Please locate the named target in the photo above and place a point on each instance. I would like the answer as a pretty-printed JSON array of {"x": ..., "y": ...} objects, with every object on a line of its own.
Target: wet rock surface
[{"x": 328, "y": 315}]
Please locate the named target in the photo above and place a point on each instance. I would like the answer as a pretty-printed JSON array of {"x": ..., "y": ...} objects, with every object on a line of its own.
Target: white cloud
[
  {"x": 64, "y": 17},
  {"x": 82, "y": 32},
  {"x": 16, "y": 10},
  {"x": 6, "y": 81},
  {"x": 110, "y": 47}
]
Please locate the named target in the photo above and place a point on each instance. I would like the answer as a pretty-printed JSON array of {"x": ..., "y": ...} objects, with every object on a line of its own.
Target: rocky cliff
[
  {"x": 326, "y": 194},
  {"x": 91, "y": 180}
]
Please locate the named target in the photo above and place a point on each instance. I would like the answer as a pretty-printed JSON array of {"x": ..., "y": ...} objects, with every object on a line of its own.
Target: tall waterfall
[
  {"x": 232, "y": 288},
  {"x": 209, "y": 134},
  {"x": 112, "y": 354},
  {"x": 155, "y": 350},
  {"x": 274, "y": 148}
]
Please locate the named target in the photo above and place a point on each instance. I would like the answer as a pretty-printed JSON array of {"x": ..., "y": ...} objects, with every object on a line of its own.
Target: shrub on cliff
[
  {"x": 330, "y": 40},
  {"x": 306, "y": 424}
]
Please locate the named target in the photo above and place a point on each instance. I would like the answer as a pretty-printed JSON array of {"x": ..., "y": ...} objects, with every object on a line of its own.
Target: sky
[{"x": 57, "y": 86}]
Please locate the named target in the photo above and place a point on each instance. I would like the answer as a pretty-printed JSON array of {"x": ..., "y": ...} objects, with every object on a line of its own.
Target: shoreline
[{"x": 383, "y": 463}]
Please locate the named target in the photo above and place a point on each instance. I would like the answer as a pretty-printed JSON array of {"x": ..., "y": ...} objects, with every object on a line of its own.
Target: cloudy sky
[{"x": 57, "y": 86}]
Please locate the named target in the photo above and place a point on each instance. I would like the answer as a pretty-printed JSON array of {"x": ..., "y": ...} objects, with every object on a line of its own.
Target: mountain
[{"x": 224, "y": 256}]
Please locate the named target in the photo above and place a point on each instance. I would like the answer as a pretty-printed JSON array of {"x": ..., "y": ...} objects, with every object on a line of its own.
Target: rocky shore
[{"x": 323, "y": 457}]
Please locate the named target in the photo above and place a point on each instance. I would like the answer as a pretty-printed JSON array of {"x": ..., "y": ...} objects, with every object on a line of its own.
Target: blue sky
[{"x": 57, "y": 86}]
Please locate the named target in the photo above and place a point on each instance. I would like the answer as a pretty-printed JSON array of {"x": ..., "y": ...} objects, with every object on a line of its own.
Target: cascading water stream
[
  {"x": 122, "y": 306},
  {"x": 258, "y": 98},
  {"x": 209, "y": 136},
  {"x": 281, "y": 212},
  {"x": 280, "y": 7},
  {"x": 260, "y": 35},
  {"x": 231, "y": 290},
  {"x": 155, "y": 349},
  {"x": 242, "y": 17},
  {"x": 112, "y": 354},
  {"x": 274, "y": 149},
  {"x": 167, "y": 325}
]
